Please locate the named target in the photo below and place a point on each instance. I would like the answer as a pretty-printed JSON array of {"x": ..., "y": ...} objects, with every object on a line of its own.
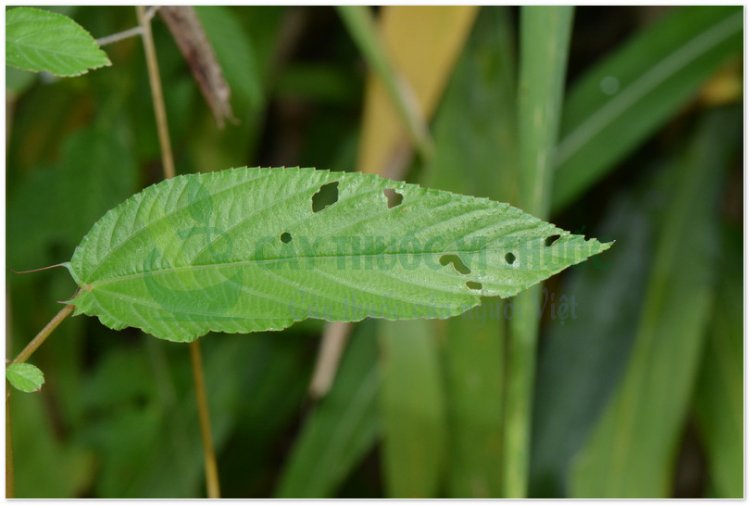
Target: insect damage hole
[
  {"x": 393, "y": 197},
  {"x": 327, "y": 195},
  {"x": 551, "y": 240},
  {"x": 474, "y": 285},
  {"x": 286, "y": 237},
  {"x": 456, "y": 261},
  {"x": 510, "y": 258}
]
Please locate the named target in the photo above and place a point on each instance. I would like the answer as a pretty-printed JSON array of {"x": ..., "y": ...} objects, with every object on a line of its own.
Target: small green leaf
[
  {"x": 43, "y": 41},
  {"x": 254, "y": 249},
  {"x": 25, "y": 377}
]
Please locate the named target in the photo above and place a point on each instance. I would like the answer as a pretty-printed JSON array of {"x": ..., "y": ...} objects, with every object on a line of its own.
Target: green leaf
[
  {"x": 24, "y": 377},
  {"x": 631, "y": 94},
  {"x": 343, "y": 426},
  {"x": 247, "y": 250},
  {"x": 44, "y": 41},
  {"x": 412, "y": 408},
  {"x": 545, "y": 37},
  {"x": 719, "y": 392},
  {"x": 578, "y": 367},
  {"x": 632, "y": 449}
]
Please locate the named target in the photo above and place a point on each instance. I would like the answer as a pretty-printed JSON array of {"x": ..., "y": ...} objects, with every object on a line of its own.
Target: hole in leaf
[
  {"x": 456, "y": 261},
  {"x": 394, "y": 197},
  {"x": 327, "y": 195},
  {"x": 510, "y": 258},
  {"x": 286, "y": 237},
  {"x": 474, "y": 285},
  {"x": 551, "y": 240}
]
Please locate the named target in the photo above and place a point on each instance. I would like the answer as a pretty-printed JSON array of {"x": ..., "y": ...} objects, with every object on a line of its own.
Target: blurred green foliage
[{"x": 645, "y": 341}]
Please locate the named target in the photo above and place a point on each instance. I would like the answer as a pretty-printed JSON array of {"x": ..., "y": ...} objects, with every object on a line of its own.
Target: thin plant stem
[
  {"x": 157, "y": 95},
  {"x": 9, "y": 471},
  {"x": 43, "y": 334},
  {"x": 209, "y": 455},
  {"x": 117, "y": 37}
]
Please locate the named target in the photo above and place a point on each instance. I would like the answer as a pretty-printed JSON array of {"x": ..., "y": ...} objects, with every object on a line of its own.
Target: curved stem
[{"x": 209, "y": 455}]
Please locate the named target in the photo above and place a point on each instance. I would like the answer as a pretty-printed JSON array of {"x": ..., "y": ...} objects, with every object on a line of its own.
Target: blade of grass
[
  {"x": 624, "y": 99},
  {"x": 719, "y": 391},
  {"x": 412, "y": 409},
  {"x": 583, "y": 357},
  {"x": 479, "y": 159},
  {"x": 632, "y": 449},
  {"x": 361, "y": 26},
  {"x": 545, "y": 36},
  {"x": 342, "y": 427}
]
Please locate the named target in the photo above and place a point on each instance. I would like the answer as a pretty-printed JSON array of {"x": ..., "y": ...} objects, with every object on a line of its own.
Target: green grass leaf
[
  {"x": 545, "y": 37},
  {"x": 247, "y": 250},
  {"x": 42, "y": 41},
  {"x": 624, "y": 99},
  {"x": 719, "y": 391},
  {"x": 343, "y": 426},
  {"x": 477, "y": 159},
  {"x": 582, "y": 358},
  {"x": 632, "y": 449},
  {"x": 24, "y": 377},
  {"x": 412, "y": 409}
]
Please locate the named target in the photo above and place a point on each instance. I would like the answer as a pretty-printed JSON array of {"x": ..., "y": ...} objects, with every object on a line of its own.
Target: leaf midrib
[{"x": 220, "y": 265}]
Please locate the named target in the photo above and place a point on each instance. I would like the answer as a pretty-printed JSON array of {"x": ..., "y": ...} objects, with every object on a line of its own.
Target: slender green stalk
[
  {"x": 545, "y": 35},
  {"x": 157, "y": 95},
  {"x": 209, "y": 455},
  {"x": 361, "y": 26}
]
